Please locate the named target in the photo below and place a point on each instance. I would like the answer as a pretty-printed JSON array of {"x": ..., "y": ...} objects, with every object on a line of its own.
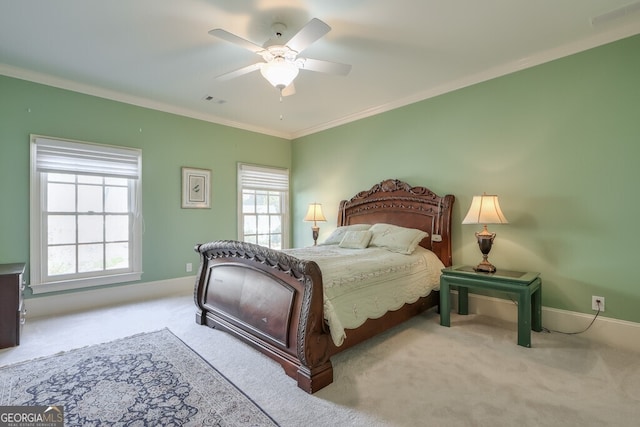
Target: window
[
  {"x": 85, "y": 214},
  {"x": 263, "y": 205}
]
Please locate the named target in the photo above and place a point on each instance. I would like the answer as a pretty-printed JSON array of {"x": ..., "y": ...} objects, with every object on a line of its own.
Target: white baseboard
[
  {"x": 604, "y": 331},
  {"x": 42, "y": 306}
]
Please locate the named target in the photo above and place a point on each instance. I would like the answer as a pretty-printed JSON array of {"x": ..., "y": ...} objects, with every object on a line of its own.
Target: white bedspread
[{"x": 366, "y": 283}]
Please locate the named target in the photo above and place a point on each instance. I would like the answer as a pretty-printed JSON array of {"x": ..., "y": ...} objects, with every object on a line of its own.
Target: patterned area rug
[{"x": 150, "y": 379}]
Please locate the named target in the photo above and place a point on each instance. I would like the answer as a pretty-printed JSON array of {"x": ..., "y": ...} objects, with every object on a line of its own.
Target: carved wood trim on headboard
[{"x": 395, "y": 202}]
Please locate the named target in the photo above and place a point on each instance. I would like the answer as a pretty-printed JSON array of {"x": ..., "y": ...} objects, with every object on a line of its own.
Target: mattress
[{"x": 361, "y": 284}]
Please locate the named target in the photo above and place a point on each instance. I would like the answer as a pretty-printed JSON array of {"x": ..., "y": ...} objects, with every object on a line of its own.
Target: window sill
[{"x": 84, "y": 283}]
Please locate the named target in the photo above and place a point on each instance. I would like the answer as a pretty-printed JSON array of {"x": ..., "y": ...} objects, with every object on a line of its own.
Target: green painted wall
[
  {"x": 168, "y": 142},
  {"x": 559, "y": 143}
]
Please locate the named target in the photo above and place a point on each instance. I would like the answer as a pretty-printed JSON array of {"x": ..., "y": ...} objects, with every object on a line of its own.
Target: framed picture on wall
[{"x": 196, "y": 188}]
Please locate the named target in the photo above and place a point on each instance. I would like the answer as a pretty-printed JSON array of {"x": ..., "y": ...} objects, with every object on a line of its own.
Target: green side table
[{"x": 526, "y": 286}]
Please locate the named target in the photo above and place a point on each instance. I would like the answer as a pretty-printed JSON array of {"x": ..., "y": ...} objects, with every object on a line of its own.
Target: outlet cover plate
[{"x": 594, "y": 304}]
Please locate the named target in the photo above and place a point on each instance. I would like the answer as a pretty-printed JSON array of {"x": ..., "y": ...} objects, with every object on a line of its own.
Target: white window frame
[
  {"x": 91, "y": 159},
  {"x": 267, "y": 178}
]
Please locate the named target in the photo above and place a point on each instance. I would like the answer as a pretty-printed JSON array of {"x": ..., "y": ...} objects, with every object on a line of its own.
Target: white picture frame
[{"x": 196, "y": 188}]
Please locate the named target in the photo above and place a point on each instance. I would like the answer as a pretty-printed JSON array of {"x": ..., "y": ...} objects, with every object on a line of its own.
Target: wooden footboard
[{"x": 270, "y": 300}]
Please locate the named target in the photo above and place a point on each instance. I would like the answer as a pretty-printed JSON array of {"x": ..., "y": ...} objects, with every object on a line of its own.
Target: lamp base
[
  {"x": 485, "y": 267},
  {"x": 485, "y": 241}
]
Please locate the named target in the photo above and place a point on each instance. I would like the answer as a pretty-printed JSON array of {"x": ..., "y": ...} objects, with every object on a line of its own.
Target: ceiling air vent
[{"x": 213, "y": 99}]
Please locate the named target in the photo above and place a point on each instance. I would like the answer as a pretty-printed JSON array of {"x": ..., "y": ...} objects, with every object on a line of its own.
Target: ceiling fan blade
[
  {"x": 239, "y": 72},
  {"x": 232, "y": 38},
  {"x": 326, "y": 67},
  {"x": 308, "y": 34},
  {"x": 289, "y": 90}
]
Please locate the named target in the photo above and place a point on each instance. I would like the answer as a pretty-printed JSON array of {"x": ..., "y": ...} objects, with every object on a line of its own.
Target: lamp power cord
[{"x": 548, "y": 330}]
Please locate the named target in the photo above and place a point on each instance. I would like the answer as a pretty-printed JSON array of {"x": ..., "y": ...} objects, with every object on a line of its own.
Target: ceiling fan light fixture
[{"x": 279, "y": 72}]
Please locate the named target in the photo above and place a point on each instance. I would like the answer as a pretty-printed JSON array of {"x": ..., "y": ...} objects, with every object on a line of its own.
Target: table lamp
[
  {"x": 315, "y": 214},
  {"x": 485, "y": 210}
]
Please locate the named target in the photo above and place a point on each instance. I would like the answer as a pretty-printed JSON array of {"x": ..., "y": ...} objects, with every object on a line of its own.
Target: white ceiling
[{"x": 158, "y": 53}]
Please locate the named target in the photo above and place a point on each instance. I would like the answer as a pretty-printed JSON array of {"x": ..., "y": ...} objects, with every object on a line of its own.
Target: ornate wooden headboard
[{"x": 395, "y": 202}]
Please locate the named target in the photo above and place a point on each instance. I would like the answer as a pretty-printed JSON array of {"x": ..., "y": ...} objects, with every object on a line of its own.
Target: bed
[{"x": 275, "y": 301}]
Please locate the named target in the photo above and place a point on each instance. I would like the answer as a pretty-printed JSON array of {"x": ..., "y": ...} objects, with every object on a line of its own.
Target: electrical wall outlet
[
  {"x": 595, "y": 305},
  {"x": 436, "y": 238},
  {"x": 189, "y": 267}
]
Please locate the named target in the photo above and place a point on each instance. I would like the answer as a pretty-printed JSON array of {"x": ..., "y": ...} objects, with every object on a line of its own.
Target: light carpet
[
  {"x": 150, "y": 379},
  {"x": 418, "y": 374}
]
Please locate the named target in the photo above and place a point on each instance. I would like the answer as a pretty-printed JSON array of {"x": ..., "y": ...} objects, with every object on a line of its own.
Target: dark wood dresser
[{"x": 12, "y": 310}]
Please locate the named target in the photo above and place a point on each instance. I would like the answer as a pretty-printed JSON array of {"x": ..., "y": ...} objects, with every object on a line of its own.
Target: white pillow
[
  {"x": 356, "y": 239},
  {"x": 338, "y": 234},
  {"x": 395, "y": 238}
]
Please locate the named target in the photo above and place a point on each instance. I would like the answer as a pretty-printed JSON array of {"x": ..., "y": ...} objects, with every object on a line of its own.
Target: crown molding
[
  {"x": 596, "y": 40},
  {"x": 66, "y": 84},
  {"x": 511, "y": 67}
]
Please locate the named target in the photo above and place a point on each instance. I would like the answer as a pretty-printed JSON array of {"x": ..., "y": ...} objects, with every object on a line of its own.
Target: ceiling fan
[{"x": 281, "y": 62}]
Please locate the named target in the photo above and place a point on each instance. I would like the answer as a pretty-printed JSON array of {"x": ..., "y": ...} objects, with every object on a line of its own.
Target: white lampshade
[
  {"x": 279, "y": 72},
  {"x": 314, "y": 213},
  {"x": 485, "y": 209}
]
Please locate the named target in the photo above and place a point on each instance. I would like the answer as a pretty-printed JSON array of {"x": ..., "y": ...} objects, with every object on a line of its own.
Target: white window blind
[
  {"x": 262, "y": 178},
  {"x": 58, "y": 156}
]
